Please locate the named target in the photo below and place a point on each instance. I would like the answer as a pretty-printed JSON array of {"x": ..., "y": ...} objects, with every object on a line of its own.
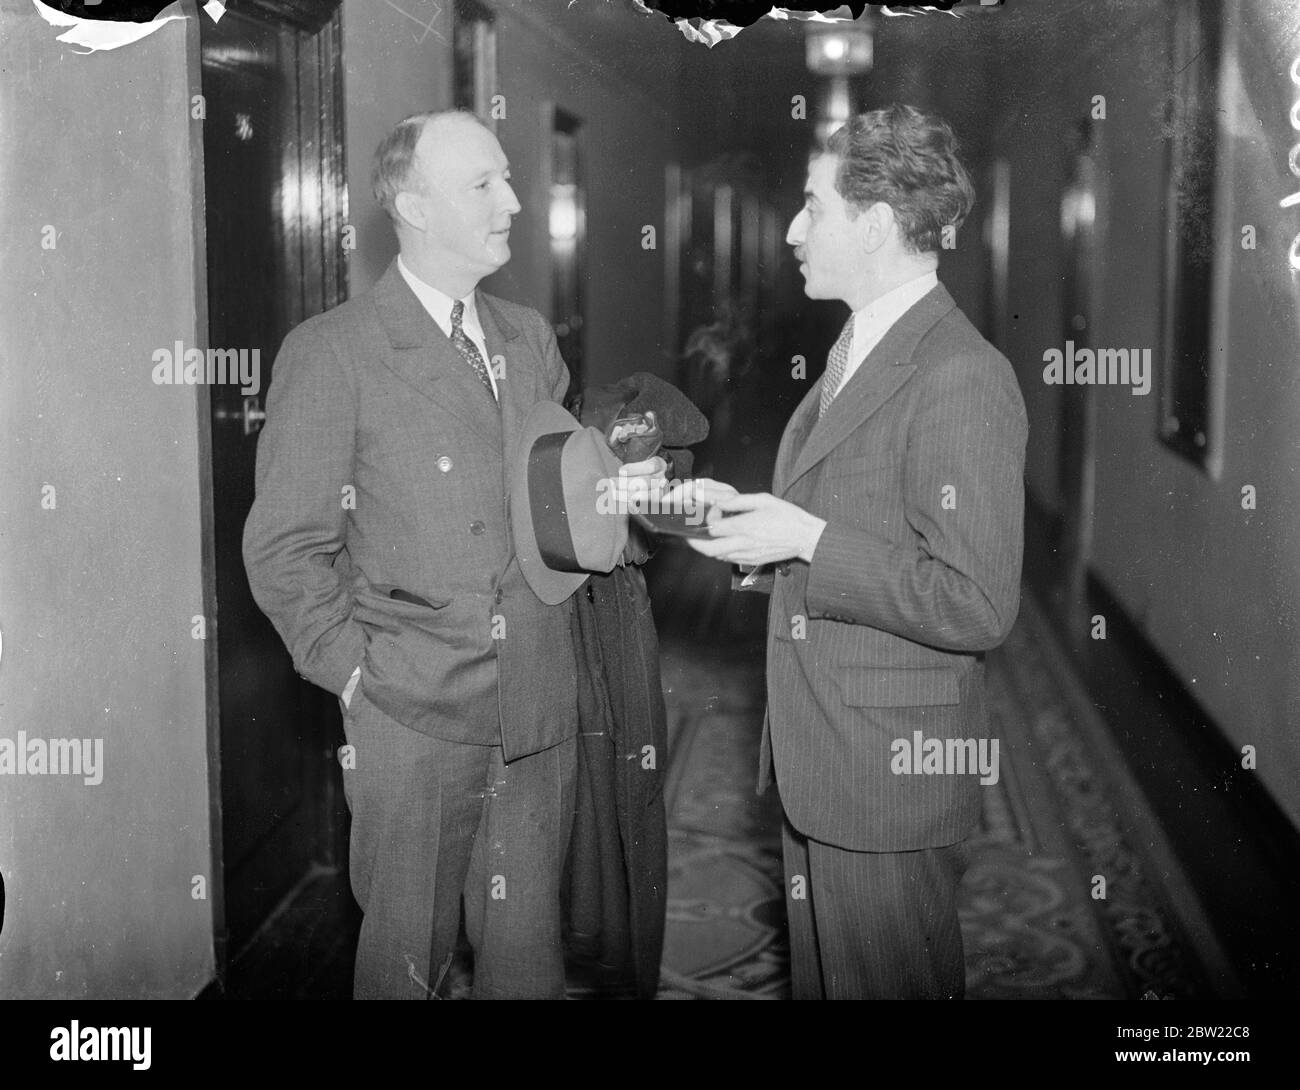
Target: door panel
[{"x": 273, "y": 171}]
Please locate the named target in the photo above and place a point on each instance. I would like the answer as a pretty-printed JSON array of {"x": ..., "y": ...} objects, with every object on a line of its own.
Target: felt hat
[{"x": 561, "y": 509}]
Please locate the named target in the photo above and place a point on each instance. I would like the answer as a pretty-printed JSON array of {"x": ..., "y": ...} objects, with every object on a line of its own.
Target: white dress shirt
[
  {"x": 439, "y": 305},
  {"x": 874, "y": 320}
]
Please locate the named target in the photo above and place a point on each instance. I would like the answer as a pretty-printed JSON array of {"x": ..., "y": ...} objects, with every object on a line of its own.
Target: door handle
[{"x": 250, "y": 415}]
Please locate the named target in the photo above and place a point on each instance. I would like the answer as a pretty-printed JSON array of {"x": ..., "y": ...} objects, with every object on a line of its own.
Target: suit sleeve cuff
[
  {"x": 835, "y": 577},
  {"x": 345, "y": 652}
]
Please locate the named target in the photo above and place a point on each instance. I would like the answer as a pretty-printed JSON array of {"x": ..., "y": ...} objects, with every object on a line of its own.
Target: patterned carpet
[
  {"x": 1061, "y": 812},
  {"x": 1059, "y": 815}
]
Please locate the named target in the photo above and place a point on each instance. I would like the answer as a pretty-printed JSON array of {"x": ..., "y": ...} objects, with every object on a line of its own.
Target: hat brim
[{"x": 551, "y": 587}]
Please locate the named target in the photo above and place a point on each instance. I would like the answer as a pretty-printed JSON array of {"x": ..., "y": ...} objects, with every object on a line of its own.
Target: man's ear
[
  {"x": 878, "y": 222},
  {"x": 409, "y": 208}
]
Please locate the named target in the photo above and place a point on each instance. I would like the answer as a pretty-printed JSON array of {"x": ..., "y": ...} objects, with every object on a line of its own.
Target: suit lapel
[
  {"x": 423, "y": 356},
  {"x": 515, "y": 378},
  {"x": 796, "y": 434},
  {"x": 516, "y": 385},
  {"x": 887, "y": 367}
]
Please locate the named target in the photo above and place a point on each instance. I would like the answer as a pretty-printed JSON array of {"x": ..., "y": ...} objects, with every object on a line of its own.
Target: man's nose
[
  {"x": 795, "y": 235},
  {"x": 511, "y": 204}
]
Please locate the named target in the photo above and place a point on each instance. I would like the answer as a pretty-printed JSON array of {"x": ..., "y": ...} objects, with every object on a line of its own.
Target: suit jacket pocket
[
  {"x": 899, "y": 687},
  {"x": 392, "y": 608},
  {"x": 427, "y": 661}
]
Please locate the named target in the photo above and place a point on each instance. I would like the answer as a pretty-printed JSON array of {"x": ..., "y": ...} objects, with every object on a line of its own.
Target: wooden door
[{"x": 274, "y": 199}]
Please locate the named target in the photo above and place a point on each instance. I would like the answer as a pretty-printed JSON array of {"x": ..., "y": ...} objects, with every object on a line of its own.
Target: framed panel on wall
[
  {"x": 724, "y": 236},
  {"x": 750, "y": 250},
  {"x": 1187, "y": 367},
  {"x": 676, "y": 214},
  {"x": 567, "y": 228},
  {"x": 474, "y": 59},
  {"x": 997, "y": 247},
  {"x": 698, "y": 260}
]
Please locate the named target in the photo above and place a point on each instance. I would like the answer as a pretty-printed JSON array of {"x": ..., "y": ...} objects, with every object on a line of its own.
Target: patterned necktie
[
  {"x": 466, "y": 347},
  {"x": 835, "y": 366}
]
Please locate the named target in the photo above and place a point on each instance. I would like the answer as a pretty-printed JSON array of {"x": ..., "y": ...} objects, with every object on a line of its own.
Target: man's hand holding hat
[{"x": 637, "y": 481}]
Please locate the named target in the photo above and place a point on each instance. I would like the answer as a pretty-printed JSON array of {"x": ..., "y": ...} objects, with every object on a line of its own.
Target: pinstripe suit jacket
[
  {"x": 371, "y": 400},
  {"x": 917, "y": 467}
]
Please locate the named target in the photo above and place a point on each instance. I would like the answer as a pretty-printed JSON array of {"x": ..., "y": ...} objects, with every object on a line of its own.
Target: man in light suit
[
  {"x": 895, "y": 524},
  {"x": 379, "y": 545}
]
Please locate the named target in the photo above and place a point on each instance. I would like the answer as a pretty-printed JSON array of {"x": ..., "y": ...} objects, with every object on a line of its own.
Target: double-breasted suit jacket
[
  {"x": 917, "y": 467},
  {"x": 383, "y": 468}
]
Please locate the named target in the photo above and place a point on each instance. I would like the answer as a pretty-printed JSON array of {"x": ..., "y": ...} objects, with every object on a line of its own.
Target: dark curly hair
[{"x": 909, "y": 160}]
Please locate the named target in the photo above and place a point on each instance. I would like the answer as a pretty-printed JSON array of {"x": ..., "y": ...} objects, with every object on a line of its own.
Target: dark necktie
[
  {"x": 466, "y": 347},
  {"x": 836, "y": 364}
]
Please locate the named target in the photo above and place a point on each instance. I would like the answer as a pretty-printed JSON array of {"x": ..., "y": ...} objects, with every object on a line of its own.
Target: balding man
[{"x": 379, "y": 546}]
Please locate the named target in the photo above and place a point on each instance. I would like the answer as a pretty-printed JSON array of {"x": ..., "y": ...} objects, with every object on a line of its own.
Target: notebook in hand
[{"x": 674, "y": 524}]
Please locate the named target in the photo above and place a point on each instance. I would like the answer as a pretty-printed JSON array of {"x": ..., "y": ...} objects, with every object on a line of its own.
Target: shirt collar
[
  {"x": 436, "y": 302},
  {"x": 876, "y": 317}
]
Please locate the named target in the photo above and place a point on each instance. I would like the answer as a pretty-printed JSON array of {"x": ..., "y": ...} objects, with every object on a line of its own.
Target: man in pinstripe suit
[{"x": 891, "y": 544}]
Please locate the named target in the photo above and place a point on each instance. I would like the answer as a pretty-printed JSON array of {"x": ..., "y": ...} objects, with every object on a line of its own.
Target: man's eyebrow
[{"x": 809, "y": 195}]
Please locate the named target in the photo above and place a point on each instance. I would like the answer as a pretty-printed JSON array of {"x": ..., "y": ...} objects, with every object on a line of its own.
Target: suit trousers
[
  {"x": 435, "y": 821},
  {"x": 873, "y": 925}
]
